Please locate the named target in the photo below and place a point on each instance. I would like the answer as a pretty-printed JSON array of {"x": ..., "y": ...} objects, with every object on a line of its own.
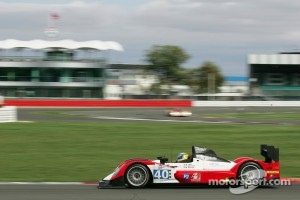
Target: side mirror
[{"x": 162, "y": 159}]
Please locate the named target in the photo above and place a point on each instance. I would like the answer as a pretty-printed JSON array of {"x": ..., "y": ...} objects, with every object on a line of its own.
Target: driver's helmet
[{"x": 182, "y": 157}]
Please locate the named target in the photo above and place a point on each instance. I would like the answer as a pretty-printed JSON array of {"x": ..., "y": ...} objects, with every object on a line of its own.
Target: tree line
[{"x": 166, "y": 62}]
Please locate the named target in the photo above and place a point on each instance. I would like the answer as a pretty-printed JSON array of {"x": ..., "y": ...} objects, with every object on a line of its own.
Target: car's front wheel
[{"x": 137, "y": 176}]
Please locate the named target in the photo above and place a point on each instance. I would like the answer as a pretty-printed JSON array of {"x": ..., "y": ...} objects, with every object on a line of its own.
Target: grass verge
[
  {"x": 284, "y": 116},
  {"x": 87, "y": 151}
]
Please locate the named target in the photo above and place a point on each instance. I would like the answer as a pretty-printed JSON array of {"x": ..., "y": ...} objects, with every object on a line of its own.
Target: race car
[
  {"x": 178, "y": 112},
  {"x": 202, "y": 166}
]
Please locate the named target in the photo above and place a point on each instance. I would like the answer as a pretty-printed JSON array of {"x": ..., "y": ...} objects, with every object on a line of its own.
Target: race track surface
[
  {"x": 90, "y": 192},
  {"x": 200, "y": 115}
]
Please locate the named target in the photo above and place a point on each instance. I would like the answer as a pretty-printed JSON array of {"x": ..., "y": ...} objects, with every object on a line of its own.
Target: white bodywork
[
  {"x": 108, "y": 177},
  {"x": 164, "y": 173}
]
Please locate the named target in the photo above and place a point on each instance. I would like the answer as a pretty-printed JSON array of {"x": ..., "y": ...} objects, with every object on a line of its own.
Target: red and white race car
[
  {"x": 202, "y": 167},
  {"x": 178, "y": 112}
]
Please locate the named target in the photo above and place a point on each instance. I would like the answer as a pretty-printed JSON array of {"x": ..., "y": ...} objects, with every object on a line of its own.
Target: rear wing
[{"x": 270, "y": 153}]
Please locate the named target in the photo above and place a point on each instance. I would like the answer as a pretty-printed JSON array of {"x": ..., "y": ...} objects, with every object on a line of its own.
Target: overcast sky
[{"x": 221, "y": 31}]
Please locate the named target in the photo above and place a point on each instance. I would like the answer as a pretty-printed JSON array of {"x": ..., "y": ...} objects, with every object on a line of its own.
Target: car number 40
[{"x": 162, "y": 174}]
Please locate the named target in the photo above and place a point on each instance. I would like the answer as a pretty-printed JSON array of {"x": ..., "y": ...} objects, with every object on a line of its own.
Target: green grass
[
  {"x": 287, "y": 116},
  {"x": 87, "y": 151}
]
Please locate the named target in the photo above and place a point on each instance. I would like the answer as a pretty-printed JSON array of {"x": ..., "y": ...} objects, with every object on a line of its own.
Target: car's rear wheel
[
  {"x": 137, "y": 176},
  {"x": 250, "y": 173}
]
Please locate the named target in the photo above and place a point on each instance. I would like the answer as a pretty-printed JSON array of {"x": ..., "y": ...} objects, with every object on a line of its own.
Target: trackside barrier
[
  {"x": 1, "y": 101},
  {"x": 245, "y": 103},
  {"x": 8, "y": 114},
  {"x": 96, "y": 103}
]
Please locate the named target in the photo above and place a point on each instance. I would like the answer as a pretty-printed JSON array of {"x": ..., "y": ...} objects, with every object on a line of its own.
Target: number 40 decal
[{"x": 162, "y": 174}]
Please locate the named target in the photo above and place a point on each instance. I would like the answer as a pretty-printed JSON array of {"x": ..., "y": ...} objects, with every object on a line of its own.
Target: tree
[
  {"x": 206, "y": 79},
  {"x": 166, "y": 61}
]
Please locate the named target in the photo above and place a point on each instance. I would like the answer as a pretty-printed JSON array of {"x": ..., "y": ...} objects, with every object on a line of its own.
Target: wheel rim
[
  {"x": 137, "y": 176},
  {"x": 250, "y": 173}
]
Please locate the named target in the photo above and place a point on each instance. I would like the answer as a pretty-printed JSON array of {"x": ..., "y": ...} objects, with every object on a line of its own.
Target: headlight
[{"x": 116, "y": 171}]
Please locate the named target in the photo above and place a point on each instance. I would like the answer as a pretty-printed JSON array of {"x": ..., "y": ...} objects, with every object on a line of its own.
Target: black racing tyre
[
  {"x": 137, "y": 176},
  {"x": 250, "y": 172}
]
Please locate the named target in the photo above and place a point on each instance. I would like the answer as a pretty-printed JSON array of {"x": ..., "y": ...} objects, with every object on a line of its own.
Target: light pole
[{"x": 211, "y": 84}]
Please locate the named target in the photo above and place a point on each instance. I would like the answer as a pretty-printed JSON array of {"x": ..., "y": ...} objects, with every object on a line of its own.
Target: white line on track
[
  {"x": 190, "y": 121},
  {"x": 162, "y": 120}
]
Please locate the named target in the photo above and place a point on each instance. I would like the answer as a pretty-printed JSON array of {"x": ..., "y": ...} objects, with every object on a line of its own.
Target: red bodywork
[
  {"x": 272, "y": 171},
  {"x": 198, "y": 169},
  {"x": 124, "y": 165}
]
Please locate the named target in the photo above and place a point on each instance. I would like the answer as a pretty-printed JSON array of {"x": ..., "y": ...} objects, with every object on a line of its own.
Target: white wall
[
  {"x": 245, "y": 103},
  {"x": 8, "y": 114},
  {"x": 112, "y": 92},
  {"x": 1, "y": 100}
]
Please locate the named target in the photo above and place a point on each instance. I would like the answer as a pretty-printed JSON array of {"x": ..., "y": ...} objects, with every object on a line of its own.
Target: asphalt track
[
  {"x": 154, "y": 114},
  {"x": 90, "y": 192}
]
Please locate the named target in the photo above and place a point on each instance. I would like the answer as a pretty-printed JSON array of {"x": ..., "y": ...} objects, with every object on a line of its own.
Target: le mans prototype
[
  {"x": 178, "y": 112},
  {"x": 202, "y": 166}
]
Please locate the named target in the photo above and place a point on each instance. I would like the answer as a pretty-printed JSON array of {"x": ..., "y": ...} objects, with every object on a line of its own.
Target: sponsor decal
[
  {"x": 186, "y": 176},
  {"x": 199, "y": 149},
  {"x": 188, "y": 166},
  {"x": 208, "y": 158},
  {"x": 196, "y": 177},
  {"x": 273, "y": 172}
]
